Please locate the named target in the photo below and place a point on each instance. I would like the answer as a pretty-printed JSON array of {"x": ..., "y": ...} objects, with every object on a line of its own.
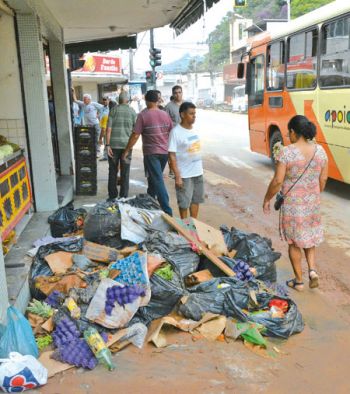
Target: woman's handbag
[
  {"x": 280, "y": 196},
  {"x": 279, "y": 201}
]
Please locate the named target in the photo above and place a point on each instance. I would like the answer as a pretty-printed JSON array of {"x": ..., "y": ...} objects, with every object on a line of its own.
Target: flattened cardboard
[
  {"x": 53, "y": 367},
  {"x": 211, "y": 237},
  {"x": 158, "y": 337},
  {"x": 100, "y": 253},
  {"x": 212, "y": 329},
  {"x": 59, "y": 262}
]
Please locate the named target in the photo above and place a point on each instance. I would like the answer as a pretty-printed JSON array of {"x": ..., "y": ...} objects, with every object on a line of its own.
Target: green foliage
[
  {"x": 275, "y": 9},
  {"x": 40, "y": 308},
  {"x": 301, "y": 7},
  {"x": 43, "y": 341}
]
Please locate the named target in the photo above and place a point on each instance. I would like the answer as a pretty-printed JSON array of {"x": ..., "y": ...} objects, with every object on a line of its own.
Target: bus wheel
[{"x": 276, "y": 138}]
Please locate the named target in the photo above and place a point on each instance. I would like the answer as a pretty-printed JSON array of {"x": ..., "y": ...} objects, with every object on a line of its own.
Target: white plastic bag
[{"x": 19, "y": 373}]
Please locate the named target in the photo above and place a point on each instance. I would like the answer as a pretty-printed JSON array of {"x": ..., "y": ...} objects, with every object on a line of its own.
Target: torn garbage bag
[
  {"x": 175, "y": 249},
  {"x": 257, "y": 251},
  {"x": 40, "y": 267},
  {"x": 210, "y": 296},
  {"x": 66, "y": 220},
  {"x": 137, "y": 222},
  {"x": 291, "y": 323},
  {"x": 164, "y": 297},
  {"x": 102, "y": 225}
]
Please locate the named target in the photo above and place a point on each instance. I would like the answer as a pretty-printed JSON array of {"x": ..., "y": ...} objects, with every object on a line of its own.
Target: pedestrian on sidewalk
[
  {"x": 121, "y": 122},
  {"x": 301, "y": 172},
  {"x": 91, "y": 113},
  {"x": 172, "y": 108},
  {"x": 186, "y": 162},
  {"x": 154, "y": 125},
  {"x": 103, "y": 127}
]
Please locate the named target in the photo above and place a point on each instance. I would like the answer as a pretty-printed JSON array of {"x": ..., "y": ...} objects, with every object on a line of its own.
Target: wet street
[{"x": 315, "y": 361}]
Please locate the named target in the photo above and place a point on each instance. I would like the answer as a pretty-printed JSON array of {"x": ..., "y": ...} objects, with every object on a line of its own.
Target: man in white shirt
[{"x": 186, "y": 162}]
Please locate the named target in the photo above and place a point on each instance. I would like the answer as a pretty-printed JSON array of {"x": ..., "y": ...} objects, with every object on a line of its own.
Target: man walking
[
  {"x": 186, "y": 162},
  {"x": 154, "y": 125},
  {"x": 91, "y": 113},
  {"x": 121, "y": 123},
  {"x": 172, "y": 108}
]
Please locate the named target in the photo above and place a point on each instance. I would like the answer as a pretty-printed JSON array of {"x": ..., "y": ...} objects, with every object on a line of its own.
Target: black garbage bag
[
  {"x": 291, "y": 324},
  {"x": 233, "y": 300},
  {"x": 257, "y": 251},
  {"x": 164, "y": 298},
  {"x": 103, "y": 225},
  {"x": 40, "y": 267},
  {"x": 175, "y": 249},
  {"x": 64, "y": 220},
  {"x": 210, "y": 296}
]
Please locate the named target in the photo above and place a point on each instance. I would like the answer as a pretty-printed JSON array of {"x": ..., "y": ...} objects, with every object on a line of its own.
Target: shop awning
[
  {"x": 104, "y": 45},
  {"x": 190, "y": 14},
  {"x": 99, "y": 24}
]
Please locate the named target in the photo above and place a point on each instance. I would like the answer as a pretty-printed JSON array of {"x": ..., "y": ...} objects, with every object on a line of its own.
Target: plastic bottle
[
  {"x": 98, "y": 347},
  {"x": 73, "y": 308}
]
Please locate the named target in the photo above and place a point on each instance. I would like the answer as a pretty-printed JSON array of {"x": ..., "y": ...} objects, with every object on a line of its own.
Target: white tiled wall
[{"x": 14, "y": 131}]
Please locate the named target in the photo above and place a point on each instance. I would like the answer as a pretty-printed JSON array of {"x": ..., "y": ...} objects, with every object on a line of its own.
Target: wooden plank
[{"x": 201, "y": 248}]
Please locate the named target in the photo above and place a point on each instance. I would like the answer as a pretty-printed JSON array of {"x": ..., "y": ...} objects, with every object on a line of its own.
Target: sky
[{"x": 191, "y": 41}]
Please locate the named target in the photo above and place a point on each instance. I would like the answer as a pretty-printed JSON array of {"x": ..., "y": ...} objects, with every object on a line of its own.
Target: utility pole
[
  {"x": 288, "y": 10},
  {"x": 131, "y": 64},
  {"x": 151, "y": 44}
]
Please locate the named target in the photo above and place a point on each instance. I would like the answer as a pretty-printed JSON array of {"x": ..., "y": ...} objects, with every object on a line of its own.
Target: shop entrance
[{"x": 52, "y": 112}]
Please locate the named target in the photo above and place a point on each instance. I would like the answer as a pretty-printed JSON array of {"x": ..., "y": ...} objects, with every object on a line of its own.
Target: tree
[
  {"x": 276, "y": 9},
  {"x": 301, "y": 7}
]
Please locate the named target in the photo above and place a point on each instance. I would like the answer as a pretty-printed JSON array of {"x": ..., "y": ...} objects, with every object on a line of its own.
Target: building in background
[{"x": 241, "y": 32}]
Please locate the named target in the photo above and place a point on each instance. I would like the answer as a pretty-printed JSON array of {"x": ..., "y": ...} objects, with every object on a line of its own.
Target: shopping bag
[
  {"x": 17, "y": 336},
  {"x": 19, "y": 373}
]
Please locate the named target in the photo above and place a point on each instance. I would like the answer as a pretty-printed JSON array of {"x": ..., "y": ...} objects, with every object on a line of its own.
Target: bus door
[{"x": 255, "y": 91}]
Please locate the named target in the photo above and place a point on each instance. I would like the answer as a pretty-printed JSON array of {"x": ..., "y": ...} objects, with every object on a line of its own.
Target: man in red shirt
[{"x": 154, "y": 126}]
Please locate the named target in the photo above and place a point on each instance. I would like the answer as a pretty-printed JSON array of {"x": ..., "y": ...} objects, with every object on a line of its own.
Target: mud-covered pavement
[{"x": 315, "y": 361}]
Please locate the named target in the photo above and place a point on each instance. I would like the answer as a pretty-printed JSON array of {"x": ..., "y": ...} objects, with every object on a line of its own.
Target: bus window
[
  {"x": 302, "y": 60},
  {"x": 275, "y": 66},
  {"x": 335, "y": 54},
  {"x": 256, "y": 76}
]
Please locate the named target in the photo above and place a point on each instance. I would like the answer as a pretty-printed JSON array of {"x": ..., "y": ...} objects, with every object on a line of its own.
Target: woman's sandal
[
  {"x": 313, "y": 276},
  {"x": 293, "y": 284}
]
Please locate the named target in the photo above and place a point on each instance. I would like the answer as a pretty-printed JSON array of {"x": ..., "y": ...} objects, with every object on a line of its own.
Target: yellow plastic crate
[{"x": 15, "y": 196}]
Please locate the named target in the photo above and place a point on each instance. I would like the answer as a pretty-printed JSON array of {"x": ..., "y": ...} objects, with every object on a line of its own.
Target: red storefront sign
[{"x": 102, "y": 64}]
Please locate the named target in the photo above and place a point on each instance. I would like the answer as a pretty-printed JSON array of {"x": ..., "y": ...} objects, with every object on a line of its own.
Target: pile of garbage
[{"x": 122, "y": 272}]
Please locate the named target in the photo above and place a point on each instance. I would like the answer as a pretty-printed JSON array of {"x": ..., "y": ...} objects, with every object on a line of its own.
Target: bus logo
[{"x": 333, "y": 116}]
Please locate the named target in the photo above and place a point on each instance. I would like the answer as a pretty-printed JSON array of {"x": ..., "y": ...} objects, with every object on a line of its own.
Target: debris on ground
[{"x": 127, "y": 271}]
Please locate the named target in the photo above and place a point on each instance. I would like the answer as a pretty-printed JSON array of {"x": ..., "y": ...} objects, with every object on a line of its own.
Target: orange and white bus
[{"x": 304, "y": 69}]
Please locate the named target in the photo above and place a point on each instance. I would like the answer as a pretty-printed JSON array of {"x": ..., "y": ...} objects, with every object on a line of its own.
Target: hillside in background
[
  {"x": 182, "y": 65},
  {"x": 277, "y": 9}
]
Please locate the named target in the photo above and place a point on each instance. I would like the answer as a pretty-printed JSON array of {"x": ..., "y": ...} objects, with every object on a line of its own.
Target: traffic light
[
  {"x": 240, "y": 3},
  {"x": 155, "y": 57},
  {"x": 76, "y": 61},
  {"x": 148, "y": 75}
]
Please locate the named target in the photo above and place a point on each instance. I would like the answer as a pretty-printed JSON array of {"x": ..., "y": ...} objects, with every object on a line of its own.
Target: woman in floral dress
[{"x": 300, "y": 222}]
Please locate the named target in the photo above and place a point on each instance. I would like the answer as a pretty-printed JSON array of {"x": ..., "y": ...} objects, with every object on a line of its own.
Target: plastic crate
[
  {"x": 85, "y": 168},
  {"x": 85, "y": 153},
  {"x": 86, "y": 188},
  {"x": 91, "y": 177}
]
